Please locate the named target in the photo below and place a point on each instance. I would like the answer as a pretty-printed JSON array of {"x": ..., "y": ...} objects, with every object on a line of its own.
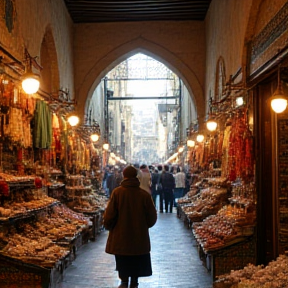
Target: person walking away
[
  {"x": 159, "y": 188},
  {"x": 168, "y": 184},
  {"x": 104, "y": 180},
  {"x": 110, "y": 181},
  {"x": 190, "y": 179},
  {"x": 118, "y": 177},
  {"x": 180, "y": 184},
  {"x": 128, "y": 216},
  {"x": 154, "y": 180},
  {"x": 144, "y": 177}
]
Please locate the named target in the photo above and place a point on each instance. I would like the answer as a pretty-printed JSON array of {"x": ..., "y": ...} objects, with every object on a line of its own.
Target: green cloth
[{"x": 43, "y": 125}]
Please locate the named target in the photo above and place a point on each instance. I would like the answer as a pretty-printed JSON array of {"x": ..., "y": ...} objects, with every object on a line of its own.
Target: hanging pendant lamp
[
  {"x": 278, "y": 99},
  {"x": 30, "y": 80},
  {"x": 211, "y": 124}
]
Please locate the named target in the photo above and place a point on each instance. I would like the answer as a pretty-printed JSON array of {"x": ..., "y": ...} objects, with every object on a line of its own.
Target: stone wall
[
  {"x": 31, "y": 20},
  {"x": 231, "y": 26},
  {"x": 190, "y": 48},
  {"x": 226, "y": 24},
  {"x": 100, "y": 47}
]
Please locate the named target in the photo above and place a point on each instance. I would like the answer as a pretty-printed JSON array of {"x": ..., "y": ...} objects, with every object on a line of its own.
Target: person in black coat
[
  {"x": 168, "y": 184},
  {"x": 111, "y": 181},
  {"x": 159, "y": 188},
  {"x": 154, "y": 181}
]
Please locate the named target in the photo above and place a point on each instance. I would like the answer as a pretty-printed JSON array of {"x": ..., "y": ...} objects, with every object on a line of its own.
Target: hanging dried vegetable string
[{"x": 240, "y": 156}]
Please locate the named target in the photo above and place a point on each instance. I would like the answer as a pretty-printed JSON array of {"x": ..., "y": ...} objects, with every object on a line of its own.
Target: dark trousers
[
  {"x": 169, "y": 200},
  {"x": 161, "y": 198},
  {"x": 154, "y": 197}
]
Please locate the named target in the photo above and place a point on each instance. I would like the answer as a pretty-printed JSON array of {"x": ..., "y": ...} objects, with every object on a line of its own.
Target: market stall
[
  {"x": 209, "y": 199},
  {"x": 39, "y": 233},
  {"x": 272, "y": 275},
  {"x": 83, "y": 199},
  {"x": 221, "y": 206}
]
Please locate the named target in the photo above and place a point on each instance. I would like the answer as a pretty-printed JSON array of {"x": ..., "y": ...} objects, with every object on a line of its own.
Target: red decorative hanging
[{"x": 4, "y": 188}]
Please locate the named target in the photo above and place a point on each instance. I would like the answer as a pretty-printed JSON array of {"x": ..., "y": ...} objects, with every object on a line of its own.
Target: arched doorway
[
  {"x": 48, "y": 56},
  {"x": 163, "y": 104},
  {"x": 92, "y": 77}
]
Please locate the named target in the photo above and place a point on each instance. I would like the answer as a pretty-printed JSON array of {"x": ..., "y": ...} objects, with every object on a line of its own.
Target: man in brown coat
[{"x": 128, "y": 216}]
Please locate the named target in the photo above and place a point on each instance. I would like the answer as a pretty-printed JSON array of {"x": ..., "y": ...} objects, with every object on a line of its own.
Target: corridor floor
[{"x": 175, "y": 261}]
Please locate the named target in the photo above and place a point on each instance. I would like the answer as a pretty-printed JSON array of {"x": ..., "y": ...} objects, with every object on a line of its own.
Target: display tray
[
  {"x": 75, "y": 243},
  {"x": 96, "y": 218},
  {"x": 27, "y": 214},
  {"x": 223, "y": 285},
  {"x": 56, "y": 186},
  {"x": 243, "y": 233},
  {"x": 21, "y": 184},
  {"x": 39, "y": 260},
  {"x": 84, "y": 188},
  {"x": 16, "y": 273},
  {"x": 234, "y": 257},
  {"x": 182, "y": 215},
  {"x": 214, "y": 249}
]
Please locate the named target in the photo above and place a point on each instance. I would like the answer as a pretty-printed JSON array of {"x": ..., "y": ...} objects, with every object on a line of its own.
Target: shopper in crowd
[
  {"x": 173, "y": 170},
  {"x": 118, "y": 177},
  {"x": 159, "y": 188},
  {"x": 190, "y": 178},
  {"x": 104, "y": 180},
  {"x": 180, "y": 178},
  {"x": 129, "y": 214},
  {"x": 154, "y": 180},
  {"x": 111, "y": 180},
  {"x": 144, "y": 177},
  {"x": 168, "y": 185},
  {"x": 137, "y": 166}
]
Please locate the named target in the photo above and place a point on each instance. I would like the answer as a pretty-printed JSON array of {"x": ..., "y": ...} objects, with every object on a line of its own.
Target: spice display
[
  {"x": 38, "y": 250},
  {"x": 273, "y": 275},
  {"x": 36, "y": 242},
  {"x": 81, "y": 197},
  {"x": 206, "y": 203},
  {"x": 225, "y": 227}
]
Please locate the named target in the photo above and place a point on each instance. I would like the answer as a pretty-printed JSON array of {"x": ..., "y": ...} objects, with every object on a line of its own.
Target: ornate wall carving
[{"x": 270, "y": 41}]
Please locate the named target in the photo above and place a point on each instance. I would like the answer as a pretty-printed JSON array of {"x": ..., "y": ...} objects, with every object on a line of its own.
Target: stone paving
[{"x": 175, "y": 261}]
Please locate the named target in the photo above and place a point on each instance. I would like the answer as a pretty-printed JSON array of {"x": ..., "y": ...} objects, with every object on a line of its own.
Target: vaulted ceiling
[{"x": 93, "y": 11}]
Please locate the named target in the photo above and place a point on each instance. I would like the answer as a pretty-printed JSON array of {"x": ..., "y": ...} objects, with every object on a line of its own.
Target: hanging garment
[{"x": 42, "y": 125}]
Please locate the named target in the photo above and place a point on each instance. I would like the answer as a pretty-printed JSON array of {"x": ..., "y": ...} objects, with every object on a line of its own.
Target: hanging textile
[{"x": 42, "y": 125}]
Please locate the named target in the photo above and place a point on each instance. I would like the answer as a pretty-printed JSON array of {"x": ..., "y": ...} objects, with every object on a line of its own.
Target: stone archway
[
  {"x": 124, "y": 51},
  {"x": 48, "y": 57}
]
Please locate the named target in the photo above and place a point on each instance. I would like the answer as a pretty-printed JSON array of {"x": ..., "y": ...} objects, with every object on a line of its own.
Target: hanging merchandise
[
  {"x": 38, "y": 182},
  {"x": 15, "y": 117},
  {"x": 42, "y": 125},
  {"x": 14, "y": 125},
  {"x": 4, "y": 188},
  {"x": 248, "y": 162},
  {"x": 206, "y": 153},
  {"x": 240, "y": 160},
  {"x": 56, "y": 142},
  {"x": 219, "y": 147},
  {"x": 225, "y": 147}
]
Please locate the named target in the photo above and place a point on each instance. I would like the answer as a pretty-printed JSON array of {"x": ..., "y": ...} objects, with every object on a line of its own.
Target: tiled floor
[{"x": 175, "y": 261}]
